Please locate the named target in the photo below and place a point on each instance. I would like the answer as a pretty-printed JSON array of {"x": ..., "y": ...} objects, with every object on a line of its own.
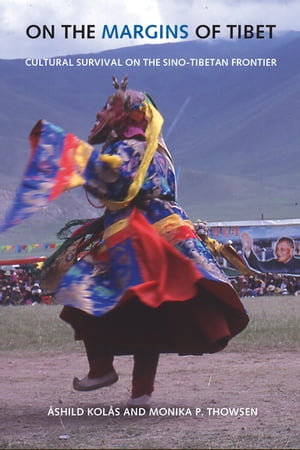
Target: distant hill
[{"x": 233, "y": 131}]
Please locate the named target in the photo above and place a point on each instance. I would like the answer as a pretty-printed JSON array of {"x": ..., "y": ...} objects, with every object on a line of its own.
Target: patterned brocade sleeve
[{"x": 109, "y": 173}]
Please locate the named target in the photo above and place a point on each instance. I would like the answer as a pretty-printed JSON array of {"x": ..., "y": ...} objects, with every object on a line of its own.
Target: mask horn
[
  {"x": 115, "y": 83},
  {"x": 123, "y": 84}
]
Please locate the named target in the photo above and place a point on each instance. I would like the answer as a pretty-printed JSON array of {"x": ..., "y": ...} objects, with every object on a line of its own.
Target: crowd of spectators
[
  {"x": 20, "y": 286},
  {"x": 266, "y": 284}
]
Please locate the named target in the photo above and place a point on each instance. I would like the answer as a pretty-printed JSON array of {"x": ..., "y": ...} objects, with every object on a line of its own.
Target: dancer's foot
[
  {"x": 144, "y": 401},
  {"x": 89, "y": 384}
]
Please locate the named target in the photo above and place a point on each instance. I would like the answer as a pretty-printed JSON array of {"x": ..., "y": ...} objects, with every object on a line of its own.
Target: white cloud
[
  {"x": 283, "y": 13},
  {"x": 17, "y": 15}
]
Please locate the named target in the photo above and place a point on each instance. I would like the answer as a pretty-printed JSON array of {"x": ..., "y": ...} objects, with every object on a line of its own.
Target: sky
[{"x": 23, "y": 20}]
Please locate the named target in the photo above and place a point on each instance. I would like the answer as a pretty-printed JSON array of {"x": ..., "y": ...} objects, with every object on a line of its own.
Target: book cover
[{"x": 225, "y": 77}]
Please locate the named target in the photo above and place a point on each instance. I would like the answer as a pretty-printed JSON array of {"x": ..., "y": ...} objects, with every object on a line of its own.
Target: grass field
[{"x": 274, "y": 324}]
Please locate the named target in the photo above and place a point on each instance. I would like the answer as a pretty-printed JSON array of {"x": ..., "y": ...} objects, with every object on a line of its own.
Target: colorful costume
[{"x": 147, "y": 283}]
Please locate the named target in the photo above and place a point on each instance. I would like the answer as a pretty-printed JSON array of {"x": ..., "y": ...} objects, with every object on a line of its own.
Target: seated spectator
[
  {"x": 260, "y": 288},
  {"x": 270, "y": 289},
  {"x": 36, "y": 294},
  {"x": 6, "y": 295},
  {"x": 16, "y": 296}
]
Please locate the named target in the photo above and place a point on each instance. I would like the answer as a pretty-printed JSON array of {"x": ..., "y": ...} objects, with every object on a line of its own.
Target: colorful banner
[
  {"x": 20, "y": 248},
  {"x": 56, "y": 164},
  {"x": 268, "y": 246}
]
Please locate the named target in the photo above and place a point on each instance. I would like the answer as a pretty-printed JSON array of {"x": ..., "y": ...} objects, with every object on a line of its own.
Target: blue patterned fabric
[{"x": 97, "y": 286}]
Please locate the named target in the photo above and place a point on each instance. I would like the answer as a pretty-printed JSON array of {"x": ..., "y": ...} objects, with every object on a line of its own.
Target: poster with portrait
[
  {"x": 267, "y": 246},
  {"x": 225, "y": 77}
]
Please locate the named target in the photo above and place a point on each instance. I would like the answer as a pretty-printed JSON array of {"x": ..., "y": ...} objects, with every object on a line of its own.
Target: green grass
[
  {"x": 274, "y": 324},
  {"x": 34, "y": 328}
]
